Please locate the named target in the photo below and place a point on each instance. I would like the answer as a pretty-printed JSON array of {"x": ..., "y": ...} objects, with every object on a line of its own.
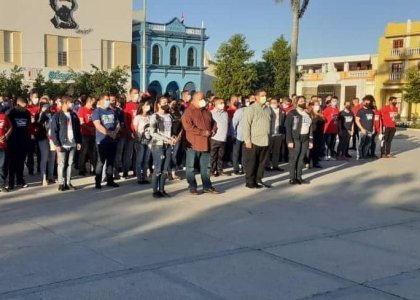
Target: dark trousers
[
  {"x": 355, "y": 138},
  {"x": 365, "y": 144},
  {"x": 174, "y": 157},
  {"x": 217, "y": 152},
  {"x": 255, "y": 162},
  {"x": 227, "y": 155},
  {"x": 106, "y": 155},
  {"x": 373, "y": 145},
  {"x": 88, "y": 149},
  {"x": 33, "y": 150},
  {"x": 275, "y": 150},
  {"x": 238, "y": 155},
  {"x": 16, "y": 156},
  {"x": 330, "y": 142},
  {"x": 284, "y": 152},
  {"x": 202, "y": 159},
  {"x": 343, "y": 144},
  {"x": 318, "y": 149},
  {"x": 297, "y": 156},
  {"x": 388, "y": 137},
  {"x": 161, "y": 162}
]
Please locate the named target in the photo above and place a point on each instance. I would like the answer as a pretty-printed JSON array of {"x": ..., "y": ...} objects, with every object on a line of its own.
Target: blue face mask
[{"x": 107, "y": 104}]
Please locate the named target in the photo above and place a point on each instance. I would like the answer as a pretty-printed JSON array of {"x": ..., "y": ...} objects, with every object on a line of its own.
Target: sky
[{"x": 328, "y": 28}]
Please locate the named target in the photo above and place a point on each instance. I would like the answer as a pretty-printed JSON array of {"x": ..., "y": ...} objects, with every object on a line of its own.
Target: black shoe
[
  {"x": 82, "y": 173},
  {"x": 23, "y": 185},
  {"x": 112, "y": 184},
  {"x": 166, "y": 195},
  {"x": 125, "y": 175},
  {"x": 303, "y": 181},
  {"x": 253, "y": 186},
  {"x": 71, "y": 187},
  {"x": 317, "y": 166},
  {"x": 269, "y": 169},
  {"x": 157, "y": 195},
  {"x": 348, "y": 155},
  {"x": 294, "y": 181},
  {"x": 266, "y": 185},
  {"x": 5, "y": 189},
  {"x": 98, "y": 186},
  {"x": 278, "y": 169},
  {"x": 61, "y": 188}
]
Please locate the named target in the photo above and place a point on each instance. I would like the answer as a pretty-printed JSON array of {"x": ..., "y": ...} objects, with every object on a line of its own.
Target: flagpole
[{"x": 144, "y": 54}]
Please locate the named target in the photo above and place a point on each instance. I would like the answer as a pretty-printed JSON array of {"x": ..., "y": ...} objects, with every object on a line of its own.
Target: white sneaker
[
  {"x": 331, "y": 158},
  {"x": 325, "y": 158}
]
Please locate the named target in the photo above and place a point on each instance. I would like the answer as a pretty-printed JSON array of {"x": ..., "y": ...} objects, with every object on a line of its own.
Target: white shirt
[
  {"x": 306, "y": 122},
  {"x": 70, "y": 134}
]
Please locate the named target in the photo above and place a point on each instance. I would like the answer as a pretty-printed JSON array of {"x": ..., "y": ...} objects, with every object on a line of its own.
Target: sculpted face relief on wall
[{"x": 63, "y": 18}]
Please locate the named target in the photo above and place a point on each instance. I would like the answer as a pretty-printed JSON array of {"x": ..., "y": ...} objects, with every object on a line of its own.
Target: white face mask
[
  {"x": 202, "y": 103},
  {"x": 189, "y": 98},
  {"x": 70, "y": 106},
  {"x": 136, "y": 97},
  {"x": 274, "y": 106},
  {"x": 334, "y": 103},
  {"x": 221, "y": 106},
  {"x": 35, "y": 101},
  {"x": 317, "y": 108}
]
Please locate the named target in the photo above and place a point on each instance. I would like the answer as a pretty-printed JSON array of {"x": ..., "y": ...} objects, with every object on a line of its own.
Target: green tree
[
  {"x": 39, "y": 85},
  {"x": 298, "y": 10},
  {"x": 274, "y": 70},
  {"x": 12, "y": 85},
  {"x": 55, "y": 90},
  {"x": 412, "y": 88},
  {"x": 234, "y": 72}
]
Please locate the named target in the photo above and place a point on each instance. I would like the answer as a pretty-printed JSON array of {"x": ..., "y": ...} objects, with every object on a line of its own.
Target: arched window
[
  {"x": 173, "y": 61},
  {"x": 191, "y": 57},
  {"x": 156, "y": 55}
]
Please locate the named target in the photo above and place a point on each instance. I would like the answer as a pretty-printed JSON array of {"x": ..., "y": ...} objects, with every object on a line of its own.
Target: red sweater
[
  {"x": 331, "y": 120},
  {"x": 377, "y": 123},
  {"x": 389, "y": 114}
]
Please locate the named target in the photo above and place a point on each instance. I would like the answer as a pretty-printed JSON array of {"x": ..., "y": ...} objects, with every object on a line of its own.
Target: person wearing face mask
[
  {"x": 377, "y": 132},
  {"x": 346, "y": 130},
  {"x": 389, "y": 114},
  {"x": 238, "y": 142},
  {"x": 299, "y": 139},
  {"x": 141, "y": 124},
  {"x": 318, "y": 124},
  {"x": 42, "y": 127},
  {"x": 331, "y": 113},
  {"x": 88, "y": 135},
  {"x": 117, "y": 105},
  {"x": 257, "y": 134},
  {"x": 177, "y": 133},
  {"x": 277, "y": 135},
  {"x": 218, "y": 140},
  {"x": 197, "y": 123},
  {"x": 107, "y": 127},
  {"x": 18, "y": 142},
  {"x": 162, "y": 142},
  {"x": 65, "y": 133},
  {"x": 130, "y": 112},
  {"x": 365, "y": 121},
  {"x": 33, "y": 108}
]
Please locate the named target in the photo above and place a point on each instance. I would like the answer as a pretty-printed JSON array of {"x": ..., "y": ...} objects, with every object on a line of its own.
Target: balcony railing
[
  {"x": 157, "y": 27},
  {"x": 359, "y": 74},
  {"x": 405, "y": 51},
  {"x": 312, "y": 76},
  {"x": 395, "y": 76},
  {"x": 160, "y": 27}
]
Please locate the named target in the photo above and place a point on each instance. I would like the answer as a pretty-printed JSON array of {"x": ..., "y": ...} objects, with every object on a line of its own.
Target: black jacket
[
  {"x": 59, "y": 128},
  {"x": 294, "y": 125}
]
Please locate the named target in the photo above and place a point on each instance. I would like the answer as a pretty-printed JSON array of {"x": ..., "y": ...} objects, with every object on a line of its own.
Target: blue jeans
[
  {"x": 174, "y": 156},
  {"x": 2, "y": 160},
  {"x": 142, "y": 160},
  {"x": 161, "y": 161},
  {"x": 203, "y": 159},
  {"x": 65, "y": 162}
]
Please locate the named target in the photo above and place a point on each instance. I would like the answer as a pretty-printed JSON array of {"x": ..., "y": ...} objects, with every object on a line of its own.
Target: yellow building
[{"x": 399, "y": 50}]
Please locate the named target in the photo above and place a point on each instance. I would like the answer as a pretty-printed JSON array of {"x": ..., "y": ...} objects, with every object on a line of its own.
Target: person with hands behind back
[{"x": 299, "y": 138}]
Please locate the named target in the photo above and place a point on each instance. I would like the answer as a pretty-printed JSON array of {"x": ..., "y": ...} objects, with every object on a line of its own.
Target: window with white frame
[
  {"x": 8, "y": 47},
  {"x": 62, "y": 51},
  {"x": 110, "y": 52}
]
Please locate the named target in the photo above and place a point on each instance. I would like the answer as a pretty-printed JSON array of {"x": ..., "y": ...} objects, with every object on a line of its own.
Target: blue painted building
[{"x": 174, "y": 57}]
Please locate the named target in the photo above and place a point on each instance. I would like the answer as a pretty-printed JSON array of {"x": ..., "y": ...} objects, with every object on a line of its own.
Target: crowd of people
[{"x": 154, "y": 138}]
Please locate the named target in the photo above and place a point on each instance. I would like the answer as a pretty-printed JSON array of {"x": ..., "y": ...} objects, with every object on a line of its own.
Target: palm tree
[{"x": 298, "y": 9}]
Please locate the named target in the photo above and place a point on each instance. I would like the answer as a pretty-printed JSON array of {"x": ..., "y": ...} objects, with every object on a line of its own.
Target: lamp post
[{"x": 144, "y": 52}]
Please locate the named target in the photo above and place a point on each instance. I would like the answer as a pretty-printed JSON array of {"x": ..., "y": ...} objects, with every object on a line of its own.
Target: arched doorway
[
  {"x": 155, "y": 88},
  {"x": 190, "y": 86},
  {"x": 173, "y": 89}
]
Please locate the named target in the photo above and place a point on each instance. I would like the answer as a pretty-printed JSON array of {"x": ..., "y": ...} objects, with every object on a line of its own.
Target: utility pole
[{"x": 144, "y": 52}]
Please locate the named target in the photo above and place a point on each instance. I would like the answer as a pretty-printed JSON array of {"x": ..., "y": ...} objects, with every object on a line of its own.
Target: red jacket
[
  {"x": 130, "y": 112},
  {"x": 378, "y": 121},
  {"x": 331, "y": 120},
  {"x": 389, "y": 114},
  {"x": 4, "y": 127}
]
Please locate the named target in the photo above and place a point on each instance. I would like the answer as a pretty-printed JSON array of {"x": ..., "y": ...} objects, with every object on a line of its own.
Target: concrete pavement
[{"x": 352, "y": 234}]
